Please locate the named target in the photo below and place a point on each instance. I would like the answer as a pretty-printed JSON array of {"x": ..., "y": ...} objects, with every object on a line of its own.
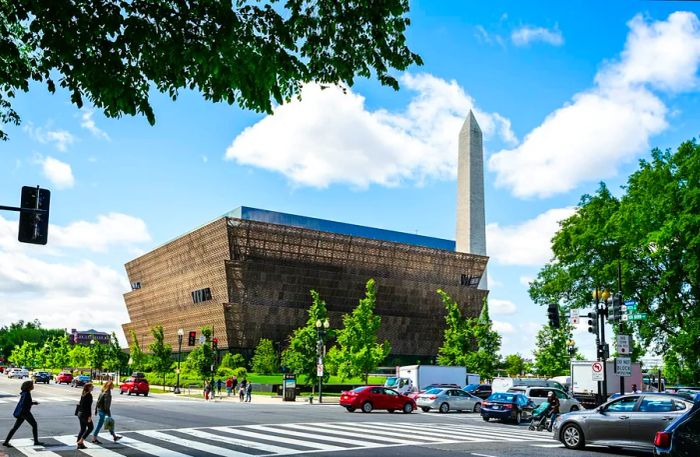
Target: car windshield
[
  {"x": 470, "y": 387},
  {"x": 500, "y": 396},
  {"x": 357, "y": 390},
  {"x": 391, "y": 381},
  {"x": 435, "y": 391}
]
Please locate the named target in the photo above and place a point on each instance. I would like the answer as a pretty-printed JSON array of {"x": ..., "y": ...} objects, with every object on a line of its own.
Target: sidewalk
[{"x": 261, "y": 399}]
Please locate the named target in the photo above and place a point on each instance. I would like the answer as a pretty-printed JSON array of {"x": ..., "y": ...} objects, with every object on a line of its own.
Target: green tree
[
  {"x": 653, "y": 230},
  {"x": 200, "y": 360},
  {"x": 232, "y": 361},
  {"x": 358, "y": 352},
  {"x": 25, "y": 355},
  {"x": 551, "y": 353},
  {"x": 485, "y": 360},
  {"x": 139, "y": 360},
  {"x": 161, "y": 353},
  {"x": 515, "y": 365},
  {"x": 115, "y": 52},
  {"x": 115, "y": 359},
  {"x": 79, "y": 356},
  {"x": 17, "y": 333},
  {"x": 98, "y": 355},
  {"x": 265, "y": 358},
  {"x": 59, "y": 352},
  {"x": 301, "y": 354}
]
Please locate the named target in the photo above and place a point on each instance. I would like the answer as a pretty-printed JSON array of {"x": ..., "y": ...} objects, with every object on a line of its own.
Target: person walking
[
  {"x": 84, "y": 413},
  {"x": 219, "y": 385},
  {"x": 229, "y": 386},
  {"x": 103, "y": 410},
  {"x": 207, "y": 389},
  {"x": 23, "y": 412},
  {"x": 235, "y": 384},
  {"x": 241, "y": 391},
  {"x": 248, "y": 391},
  {"x": 554, "y": 408}
]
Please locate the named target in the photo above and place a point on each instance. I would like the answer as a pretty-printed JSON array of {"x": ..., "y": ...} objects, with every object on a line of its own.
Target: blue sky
[{"x": 567, "y": 93}]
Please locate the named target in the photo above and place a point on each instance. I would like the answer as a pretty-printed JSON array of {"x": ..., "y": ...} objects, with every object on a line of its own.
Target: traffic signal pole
[{"x": 621, "y": 328}]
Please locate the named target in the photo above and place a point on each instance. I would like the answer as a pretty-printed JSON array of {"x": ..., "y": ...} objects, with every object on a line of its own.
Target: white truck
[
  {"x": 413, "y": 378},
  {"x": 584, "y": 388}
]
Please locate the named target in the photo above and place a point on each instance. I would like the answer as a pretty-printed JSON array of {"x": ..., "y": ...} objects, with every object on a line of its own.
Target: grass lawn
[{"x": 277, "y": 379}]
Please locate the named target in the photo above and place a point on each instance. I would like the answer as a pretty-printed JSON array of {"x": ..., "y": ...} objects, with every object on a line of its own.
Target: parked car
[
  {"x": 64, "y": 377},
  {"x": 482, "y": 391},
  {"x": 567, "y": 403},
  {"x": 630, "y": 421},
  {"x": 507, "y": 406},
  {"x": 414, "y": 395},
  {"x": 135, "y": 385},
  {"x": 18, "y": 373},
  {"x": 446, "y": 400},
  {"x": 41, "y": 376},
  {"x": 80, "y": 380},
  {"x": 682, "y": 437},
  {"x": 680, "y": 393},
  {"x": 369, "y": 398}
]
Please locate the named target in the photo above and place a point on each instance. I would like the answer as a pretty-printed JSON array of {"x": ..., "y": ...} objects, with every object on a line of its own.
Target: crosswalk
[
  {"x": 281, "y": 439},
  {"x": 15, "y": 399}
]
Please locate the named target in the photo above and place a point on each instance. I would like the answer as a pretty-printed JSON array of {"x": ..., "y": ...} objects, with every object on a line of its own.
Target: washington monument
[{"x": 471, "y": 215}]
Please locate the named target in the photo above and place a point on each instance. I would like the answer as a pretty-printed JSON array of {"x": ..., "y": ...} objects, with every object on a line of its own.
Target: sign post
[
  {"x": 573, "y": 316},
  {"x": 597, "y": 371}
]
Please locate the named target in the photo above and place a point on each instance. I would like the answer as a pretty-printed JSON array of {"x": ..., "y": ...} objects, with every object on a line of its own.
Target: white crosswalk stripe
[{"x": 285, "y": 439}]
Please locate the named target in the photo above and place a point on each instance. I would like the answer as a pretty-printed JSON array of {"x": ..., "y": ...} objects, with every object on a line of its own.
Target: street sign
[
  {"x": 623, "y": 366},
  {"x": 319, "y": 369},
  {"x": 202, "y": 339},
  {"x": 623, "y": 344},
  {"x": 573, "y": 316},
  {"x": 597, "y": 371},
  {"x": 631, "y": 303},
  {"x": 625, "y": 317},
  {"x": 637, "y": 316}
]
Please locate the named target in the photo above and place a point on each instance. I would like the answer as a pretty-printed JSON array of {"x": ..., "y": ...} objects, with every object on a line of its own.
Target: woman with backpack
[
  {"x": 103, "y": 409},
  {"x": 84, "y": 413},
  {"x": 23, "y": 412}
]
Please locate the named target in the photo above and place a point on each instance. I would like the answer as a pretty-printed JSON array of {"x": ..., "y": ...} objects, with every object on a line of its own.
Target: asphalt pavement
[{"x": 168, "y": 425}]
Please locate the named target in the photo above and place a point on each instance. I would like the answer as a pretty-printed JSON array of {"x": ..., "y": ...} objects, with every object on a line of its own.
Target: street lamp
[
  {"x": 180, "y": 334},
  {"x": 321, "y": 329},
  {"x": 92, "y": 358}
]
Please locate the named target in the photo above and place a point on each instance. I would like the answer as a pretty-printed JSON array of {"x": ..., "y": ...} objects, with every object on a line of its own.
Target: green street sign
[
  {"x": 629, "y": 308},
  {"x": 637, "y": 316}
]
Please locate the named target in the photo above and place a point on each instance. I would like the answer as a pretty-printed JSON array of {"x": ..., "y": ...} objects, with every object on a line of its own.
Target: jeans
[
  {"x": 85, "y": 426},
  {"x": 30, "y": 420},
  {"x": 100, "y": 423}
]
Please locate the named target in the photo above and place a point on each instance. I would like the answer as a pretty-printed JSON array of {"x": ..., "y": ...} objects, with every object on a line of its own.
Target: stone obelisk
[{"x": 471, "y": 214}]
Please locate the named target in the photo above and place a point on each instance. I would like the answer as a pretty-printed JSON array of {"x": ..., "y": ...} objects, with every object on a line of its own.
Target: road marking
[
  {"x": 372, "y": 427},
  {"x": 548, "y": 445},
  {"x": 483, "y": 455},
  {"x": 26, "y": 447},
  {"x": 211, "y": 449},
  {"x": 273, "y": 429},
  {"x": 345, "y": 432},
  {"x": 148, "y": 448},
  {"x": 237, "y": 441},
  {"x": 92, "y": 449},
  {"x": 280, "y": 439}
]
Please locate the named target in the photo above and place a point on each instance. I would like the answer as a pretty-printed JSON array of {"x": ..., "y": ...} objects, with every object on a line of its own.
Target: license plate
[{"x": 496, "y": 407}]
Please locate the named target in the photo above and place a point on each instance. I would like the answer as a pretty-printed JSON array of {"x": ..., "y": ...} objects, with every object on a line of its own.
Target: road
[{"x": 169, "y": 426}]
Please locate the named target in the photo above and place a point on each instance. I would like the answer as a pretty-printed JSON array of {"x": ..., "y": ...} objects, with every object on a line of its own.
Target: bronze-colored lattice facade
[{"x": 259, "y": 275}]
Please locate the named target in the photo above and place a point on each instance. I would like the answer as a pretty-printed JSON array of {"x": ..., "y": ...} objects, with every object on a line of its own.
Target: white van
[
  {"x": 503, "y": 384},
  {"x": 18, "y": 373}
]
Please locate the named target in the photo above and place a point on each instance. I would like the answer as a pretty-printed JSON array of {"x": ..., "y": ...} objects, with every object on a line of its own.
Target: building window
[
  {"x": 201, "y": 295},
  {"x": 470, "y": 281},
  {"x": 135, "y": 285}
]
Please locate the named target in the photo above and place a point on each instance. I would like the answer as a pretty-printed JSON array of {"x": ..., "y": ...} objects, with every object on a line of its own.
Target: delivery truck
[
  {"x": 585, "y": 389},
  {"x": 413, "y": 378}
]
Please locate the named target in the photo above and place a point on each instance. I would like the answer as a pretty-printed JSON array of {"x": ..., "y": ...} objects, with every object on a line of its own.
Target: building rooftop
[{"x": 323, "y": 225}]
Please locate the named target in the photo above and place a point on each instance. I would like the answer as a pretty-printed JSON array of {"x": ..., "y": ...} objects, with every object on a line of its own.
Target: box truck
[
  {"x": 413, "y": 378},
  {"x": 585, "y": 389}
]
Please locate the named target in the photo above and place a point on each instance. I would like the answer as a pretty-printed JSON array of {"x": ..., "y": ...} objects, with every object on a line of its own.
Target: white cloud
[
  {"x": 78, "y": 293},
  {"x": 527, "y": 243},
  {"x": 503, "y": 327},
  {"x": 611, "y": 123},
  {"x": 59, "y": 173},
  {"x": 61, "y": 139},
  {"x": 526, "y": 280},
  {"x": 484, "y": 36},
  {"x": 501, "y": 307},
  {"x": 331, "y": 137},
  {"x": 111, "y": 229},
  {"x": 88, "y": 123},
  {"x": 527, "y": 34}
]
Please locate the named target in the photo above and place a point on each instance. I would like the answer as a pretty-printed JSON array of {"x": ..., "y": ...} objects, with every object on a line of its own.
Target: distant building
[{"x": 84, "y": 336}]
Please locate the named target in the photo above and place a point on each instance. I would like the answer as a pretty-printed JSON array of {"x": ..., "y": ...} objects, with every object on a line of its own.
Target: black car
[
  {"x": 41, "y": 376},
  {"x": 682, "y": 437},
  {"x": 507, "y": 406},
  {"x": 478, "y": 390}
]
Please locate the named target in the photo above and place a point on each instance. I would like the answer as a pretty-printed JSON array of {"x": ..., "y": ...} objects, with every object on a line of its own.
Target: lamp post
[
  {"x": 601, "y": 305},
  {"x": 321, "y": 329},
  {"x": 180, "y": 334},
  {"x": 92, "y": 358}
]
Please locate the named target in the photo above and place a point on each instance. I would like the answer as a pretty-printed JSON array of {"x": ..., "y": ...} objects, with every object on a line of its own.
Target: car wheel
[
  {"x": 145, "y": 394},
  {"x": 574, "y": 408},
  {"x": 350, "y": 409},
  {"x": 477, "y": 408},
  {"x": 572, "y": 437},
  {"x": 486, "y": 419},
  {"x": 444, "y": 408},
  {"x": 391, "y": 411},
  {"x": 425, "y": 410},
  {"x": 121, "y": 392},
  {"x": 367, "y": 407},
  {"x": 128, "y": 392},
  {"x": 518, "y": 418},
  {"x": 407, "y": 408}
]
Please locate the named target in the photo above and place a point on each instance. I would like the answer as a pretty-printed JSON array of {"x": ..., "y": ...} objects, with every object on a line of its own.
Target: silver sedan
[
  {"x": 446, "y": 400},
  {"x": 630, "y": 421}
]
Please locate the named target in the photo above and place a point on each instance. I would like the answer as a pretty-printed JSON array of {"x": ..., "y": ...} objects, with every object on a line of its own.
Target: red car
[
  {"x": 376, "y": 397},
  {"x": 135, "y": 385},
  {"x": 64, "y": 377}
]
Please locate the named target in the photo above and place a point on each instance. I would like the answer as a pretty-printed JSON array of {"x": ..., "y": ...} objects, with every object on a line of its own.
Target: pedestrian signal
[
  {"x": 192, "y": 337},
  {"x": 616, "y": 308},
  {"x": 593, "y": 323},
  {"x": 214, "y": 343}
]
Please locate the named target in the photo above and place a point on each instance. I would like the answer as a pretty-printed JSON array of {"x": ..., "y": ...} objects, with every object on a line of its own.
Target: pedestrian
[
  {"x": 103, "y": 410},
  {"x": 219, "y": 384},
  {"x": 84, "y": 413},
  {"x": 635, "y": 390},
  {"x": 23, "y": 412},
  {"x": 248, "y": 391},
  {"x": 207, "y": 389},
  {"x": 235, "y": 383},
  {"x": 229, "y": 386},
  {"x": 241, "y": 391},
  {"x": 554, "y": 408}
]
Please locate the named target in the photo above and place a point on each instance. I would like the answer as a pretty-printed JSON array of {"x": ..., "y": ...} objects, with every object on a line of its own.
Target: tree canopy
[
  {"x": 653, "y": 230},
  {"x": 115, "y": 53}
]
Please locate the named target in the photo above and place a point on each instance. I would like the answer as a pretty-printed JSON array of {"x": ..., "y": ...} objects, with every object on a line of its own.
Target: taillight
[
  {"x": 662, "y": 439},
  {"x": 508, "y": 406},
  {"x": 432, "y": 397},
  {"x": 485, "y": 403}
]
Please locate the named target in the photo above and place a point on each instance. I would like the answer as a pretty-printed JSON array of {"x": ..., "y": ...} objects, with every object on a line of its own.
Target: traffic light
[
  {"x": 593, "y": 323},
  {"x": 214, "y": 343},
  {"x": 191, "y": 338},
  {"x": 616, "y": 308},
  {"x": 34, "y": 226},
  {"x": 553, "y": 315}
]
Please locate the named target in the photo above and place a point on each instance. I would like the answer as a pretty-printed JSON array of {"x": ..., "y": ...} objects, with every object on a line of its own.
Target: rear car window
[
  {"x": 500, "y": 396},
  {"x": 623, "y": 405},
  {"x": 357, "y": 390},
  {"x": 656, "y": 405},
  {"x": 434, "y": 391}
]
